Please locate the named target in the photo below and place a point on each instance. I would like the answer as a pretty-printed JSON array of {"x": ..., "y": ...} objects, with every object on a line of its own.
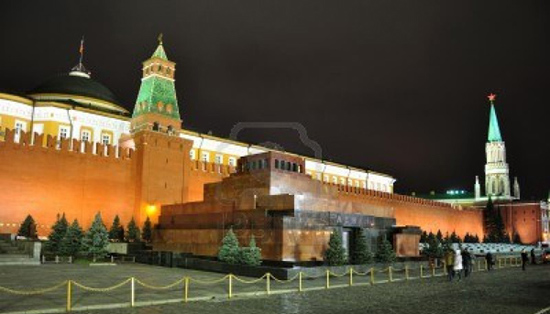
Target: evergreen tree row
[
  {"x": 70, "y": 240},
  {"x": 231, "y": 253},
  {"x": 335, "y": 255}
]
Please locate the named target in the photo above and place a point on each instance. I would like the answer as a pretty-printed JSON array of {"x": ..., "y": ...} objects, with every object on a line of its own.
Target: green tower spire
[
  {"x": 494, "y": 130},
  {"x": 157, "y": 104}
]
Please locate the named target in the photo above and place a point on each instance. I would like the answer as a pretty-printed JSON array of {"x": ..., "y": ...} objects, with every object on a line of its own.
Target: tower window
[
  {"x": 232, "y": 161},
  {"x": 192, "y": 154}
]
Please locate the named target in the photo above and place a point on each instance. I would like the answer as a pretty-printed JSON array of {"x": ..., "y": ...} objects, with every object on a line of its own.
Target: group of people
[
  {"x": 525, "y": 258},
  {"x": 458, "y": 261}
]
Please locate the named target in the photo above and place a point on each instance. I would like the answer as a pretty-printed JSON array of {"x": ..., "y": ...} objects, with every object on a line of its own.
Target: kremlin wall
[{"x": 86, "y": 154}]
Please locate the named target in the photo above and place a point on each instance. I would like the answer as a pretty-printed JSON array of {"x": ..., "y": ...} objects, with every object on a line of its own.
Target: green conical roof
[
  {"x": 157, "y": 93},
  {"x": 160, "y": 53},
  {"x": 494, "y": 130}
]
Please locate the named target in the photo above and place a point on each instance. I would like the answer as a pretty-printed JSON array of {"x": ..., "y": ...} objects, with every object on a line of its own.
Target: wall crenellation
[
  {"x": 26, "y": 139},
  {"x": 362, "y": 192}
]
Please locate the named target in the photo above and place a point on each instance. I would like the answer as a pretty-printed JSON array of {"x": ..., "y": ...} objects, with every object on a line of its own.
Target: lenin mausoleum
[{"x": 68, "y": 146}]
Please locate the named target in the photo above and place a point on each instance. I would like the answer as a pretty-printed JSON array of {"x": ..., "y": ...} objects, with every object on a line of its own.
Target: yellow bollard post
[
  {"x": 407, "y": 272},
  {"x": 351, "y": 276},
  {"x": 230, "y": 291},
  {"x": 267, "y": 284},
  {"x": 433, "y": 270},
  {"x": 421, "y": 271},
  {"x": 69, "y": 292},
  {"x": 133, "y": 292},
  {"x": 186, "y": 290},
  {"x": 372, "y": 276},
  {"x": 486, "y": 265},
  {"x": 390, "y": 274},
  {"x": 300, "y": 282},
  {"x": 328, "y": 280}
]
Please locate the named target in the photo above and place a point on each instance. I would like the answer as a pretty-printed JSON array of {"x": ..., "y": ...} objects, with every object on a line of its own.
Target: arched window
[
  {"x": 156, "y": 126},
  {"x": 276, "y": 163}
]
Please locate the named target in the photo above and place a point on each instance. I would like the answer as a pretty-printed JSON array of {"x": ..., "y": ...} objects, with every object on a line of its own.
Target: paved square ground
[{"x": 502, "y": 291}]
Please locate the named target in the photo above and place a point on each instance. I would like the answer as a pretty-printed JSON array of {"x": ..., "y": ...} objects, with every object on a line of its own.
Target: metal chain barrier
[
  {"x": 141, "y": 283},
  {"x": 251, "y": 281},
  {"x": 512, "y": 262},
  {"x": 209, "y": 282},
  {"x": 92, "y": 289},
  {"x": 284, "y": 280},
  {"x": 33, "y": 292}
]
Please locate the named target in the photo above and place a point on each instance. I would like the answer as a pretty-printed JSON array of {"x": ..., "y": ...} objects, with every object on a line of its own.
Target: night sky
[{"x": 395, "y": 86}]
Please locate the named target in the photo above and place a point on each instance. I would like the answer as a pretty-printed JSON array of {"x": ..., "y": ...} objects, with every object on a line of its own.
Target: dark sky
[{"x": 394, "y": 86}]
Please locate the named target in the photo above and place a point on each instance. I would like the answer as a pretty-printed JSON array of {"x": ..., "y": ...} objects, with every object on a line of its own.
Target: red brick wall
[{"x": 45, "y": 181}]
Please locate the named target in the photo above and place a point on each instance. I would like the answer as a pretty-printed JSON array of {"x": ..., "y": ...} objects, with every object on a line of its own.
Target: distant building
[{"x": 527, "y": 218}]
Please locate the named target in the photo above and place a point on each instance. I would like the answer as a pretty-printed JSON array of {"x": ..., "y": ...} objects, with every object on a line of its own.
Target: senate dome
[{"x": 79, "y": 89}]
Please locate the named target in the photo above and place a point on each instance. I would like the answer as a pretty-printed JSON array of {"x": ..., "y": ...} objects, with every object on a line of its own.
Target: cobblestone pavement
[{"x": 502, "y": 291}]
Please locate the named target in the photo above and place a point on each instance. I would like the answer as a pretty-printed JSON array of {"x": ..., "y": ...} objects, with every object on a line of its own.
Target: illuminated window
[
  {"x": 219, "y": 159},
  {"x": 232, "y": 161},
  {"x": 325, "y": 178},
  {"x": 342, "y": 181},
  {"x": 192, "y": 154},
  {"x": 334, "y": 180},
  {"x": 364, "y": 185},
  {"x": 105, "y": 139},
  {"x": 205, "y": 157},
  {"x": 19, "y": 126},
  {"x": 85, "y": 136},
  {"x": 356, "y": 183}
]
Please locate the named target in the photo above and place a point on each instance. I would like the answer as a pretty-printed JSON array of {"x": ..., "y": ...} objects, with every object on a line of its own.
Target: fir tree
[
  {"x": 467, "y": 238},
  {"x": 476, "y": 239},
  {"x": 454, "y": 238},
  {"x": 361, "y": 253},
  {"x": 147, "y": 230},
  {"x": 385, "y": 253},
  {"x": 434, "y": 248},
  {"x": 133, "y": 231},
  {"x": 71, "y": 243},
  {"x": 59, "y": 229},
  {"x": 516, "y": 239},
  {"x": 505, "y": 237},
  {"x": 335, "y": 255},
  {"x": 28, "y": 228},
  {"x": 97, "y": 238},
  {"x": 229, "y": 251},
  {"x": 251, "y": 255},
  {"x": 116, "y": 233},
  {"x": 439, "y": 236},
  {"x": 423, "y": 237}
]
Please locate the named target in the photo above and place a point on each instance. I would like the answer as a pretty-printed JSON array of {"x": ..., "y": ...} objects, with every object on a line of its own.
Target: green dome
[{"x": 75, "y": 85}]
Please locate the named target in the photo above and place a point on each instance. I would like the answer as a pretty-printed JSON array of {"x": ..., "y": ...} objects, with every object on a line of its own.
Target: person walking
[
  {"x": 449, "y": 264},
  {"x": 458, "y": 265},
  {"x": 533, "y": 258},
  {"x": 466, "y": 263},
  {"x": 524, "y": 259},
  {"x": 489, "y": 260}
]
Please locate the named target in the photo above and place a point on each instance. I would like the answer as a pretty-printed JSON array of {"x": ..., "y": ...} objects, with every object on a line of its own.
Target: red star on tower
[{"x": 492, "y": 97}]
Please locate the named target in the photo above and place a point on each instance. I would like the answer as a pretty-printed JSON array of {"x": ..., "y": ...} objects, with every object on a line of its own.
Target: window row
[
  {"x": 287, "y": 165},
  {"x": 205, "y": 157}
]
